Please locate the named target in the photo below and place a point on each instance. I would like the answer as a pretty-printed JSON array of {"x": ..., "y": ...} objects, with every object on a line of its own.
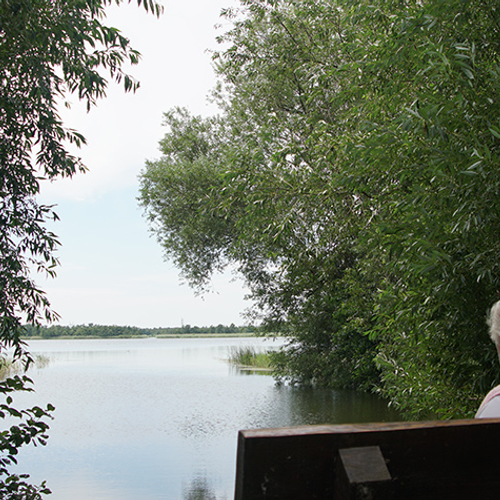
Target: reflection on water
[
  {"x": 159, "y": 419},
  {"x": 291, "y": 406},
  {"x": 199, "y": 489},
  {"x": 41, "y": 361}
]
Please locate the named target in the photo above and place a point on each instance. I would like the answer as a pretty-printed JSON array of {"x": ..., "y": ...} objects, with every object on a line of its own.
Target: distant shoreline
[{"x": 160, "y": 336}]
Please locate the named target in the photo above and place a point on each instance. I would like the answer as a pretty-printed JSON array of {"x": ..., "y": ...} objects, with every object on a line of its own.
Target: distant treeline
[{"x": 92, "y": 330}]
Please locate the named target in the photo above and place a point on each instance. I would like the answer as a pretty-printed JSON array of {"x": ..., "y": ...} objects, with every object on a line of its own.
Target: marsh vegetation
[
  {"x": 10, "y": 367},
  {"x": 249, "y": 357}
]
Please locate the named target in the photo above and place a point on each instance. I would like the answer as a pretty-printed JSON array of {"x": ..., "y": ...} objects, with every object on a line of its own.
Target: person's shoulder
[{"x": 490, "y": 407}]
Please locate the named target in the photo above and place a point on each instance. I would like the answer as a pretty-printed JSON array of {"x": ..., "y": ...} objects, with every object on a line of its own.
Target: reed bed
[{"x": 249, "y": 357}]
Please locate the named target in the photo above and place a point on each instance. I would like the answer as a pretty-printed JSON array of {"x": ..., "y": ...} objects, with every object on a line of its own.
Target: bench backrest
[{"x": 421, "y": 460}]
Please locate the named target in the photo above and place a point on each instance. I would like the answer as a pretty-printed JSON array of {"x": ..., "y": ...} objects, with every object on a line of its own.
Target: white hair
[{"x": 494, "y": 323}]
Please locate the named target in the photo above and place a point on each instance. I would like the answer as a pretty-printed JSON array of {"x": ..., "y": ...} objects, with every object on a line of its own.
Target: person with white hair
[{"x": 490, "y": 407}]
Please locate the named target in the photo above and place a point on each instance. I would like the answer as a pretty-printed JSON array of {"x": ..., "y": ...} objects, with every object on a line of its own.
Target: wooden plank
[{"x": 431, "y": 460}]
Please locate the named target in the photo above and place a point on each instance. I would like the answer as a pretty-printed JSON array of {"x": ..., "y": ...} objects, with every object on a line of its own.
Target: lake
[{"x": 158, "y": 419}]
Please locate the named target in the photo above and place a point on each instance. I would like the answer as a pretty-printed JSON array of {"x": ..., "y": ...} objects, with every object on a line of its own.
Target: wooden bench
[{"x": 457, "y": 459}]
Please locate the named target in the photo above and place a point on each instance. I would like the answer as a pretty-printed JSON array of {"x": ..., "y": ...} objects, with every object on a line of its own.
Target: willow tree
[
  {"x": 48, "y": 49},
  {"x": 273, "y": 161},
  {"x": 354, "y": 173},
  {"x": 429, "y": 154}
]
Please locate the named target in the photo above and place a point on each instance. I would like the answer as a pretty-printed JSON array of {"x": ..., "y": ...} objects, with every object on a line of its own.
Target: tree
[
  {"x": 355, "y": 176},
  {"x": 179, "y": 192},
  {"x": 428, "y": 154},
  {"x": 48, "y": 48},
  {"x": 281, "y": 228}
]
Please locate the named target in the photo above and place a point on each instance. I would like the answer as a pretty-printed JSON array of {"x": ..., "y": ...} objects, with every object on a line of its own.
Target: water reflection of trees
[
  {"x": 199, "y": 489},
  {"x": 290, "y": 406},
  {"x": 342, "y": 406}
]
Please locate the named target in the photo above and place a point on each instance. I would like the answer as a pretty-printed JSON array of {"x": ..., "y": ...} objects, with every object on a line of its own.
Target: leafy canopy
[{"x": 352, "y": 178}]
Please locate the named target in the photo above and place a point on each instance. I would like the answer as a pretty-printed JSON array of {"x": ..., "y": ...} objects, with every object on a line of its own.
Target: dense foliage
[
  {"x": 352, "y": 178},
  {"x": 107, "y": 331},
  {"x": 48, "y": 48}
]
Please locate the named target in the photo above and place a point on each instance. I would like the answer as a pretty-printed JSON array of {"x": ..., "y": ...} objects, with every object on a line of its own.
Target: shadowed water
[{"x": 158, "y": 418}]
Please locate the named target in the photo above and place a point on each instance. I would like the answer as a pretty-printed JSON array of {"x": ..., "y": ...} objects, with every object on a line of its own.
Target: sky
[{"x": 113, "y": 271}]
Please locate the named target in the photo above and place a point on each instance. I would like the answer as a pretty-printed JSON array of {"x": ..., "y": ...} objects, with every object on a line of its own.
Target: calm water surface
[{"x": 158, "y": 419}]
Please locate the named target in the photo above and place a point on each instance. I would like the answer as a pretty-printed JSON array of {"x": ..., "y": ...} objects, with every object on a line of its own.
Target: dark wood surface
[{"x": 426, "y": 460}]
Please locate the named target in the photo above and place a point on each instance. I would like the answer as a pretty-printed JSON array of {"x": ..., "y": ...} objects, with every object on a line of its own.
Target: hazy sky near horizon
[{"x": 112, "y": 270}]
